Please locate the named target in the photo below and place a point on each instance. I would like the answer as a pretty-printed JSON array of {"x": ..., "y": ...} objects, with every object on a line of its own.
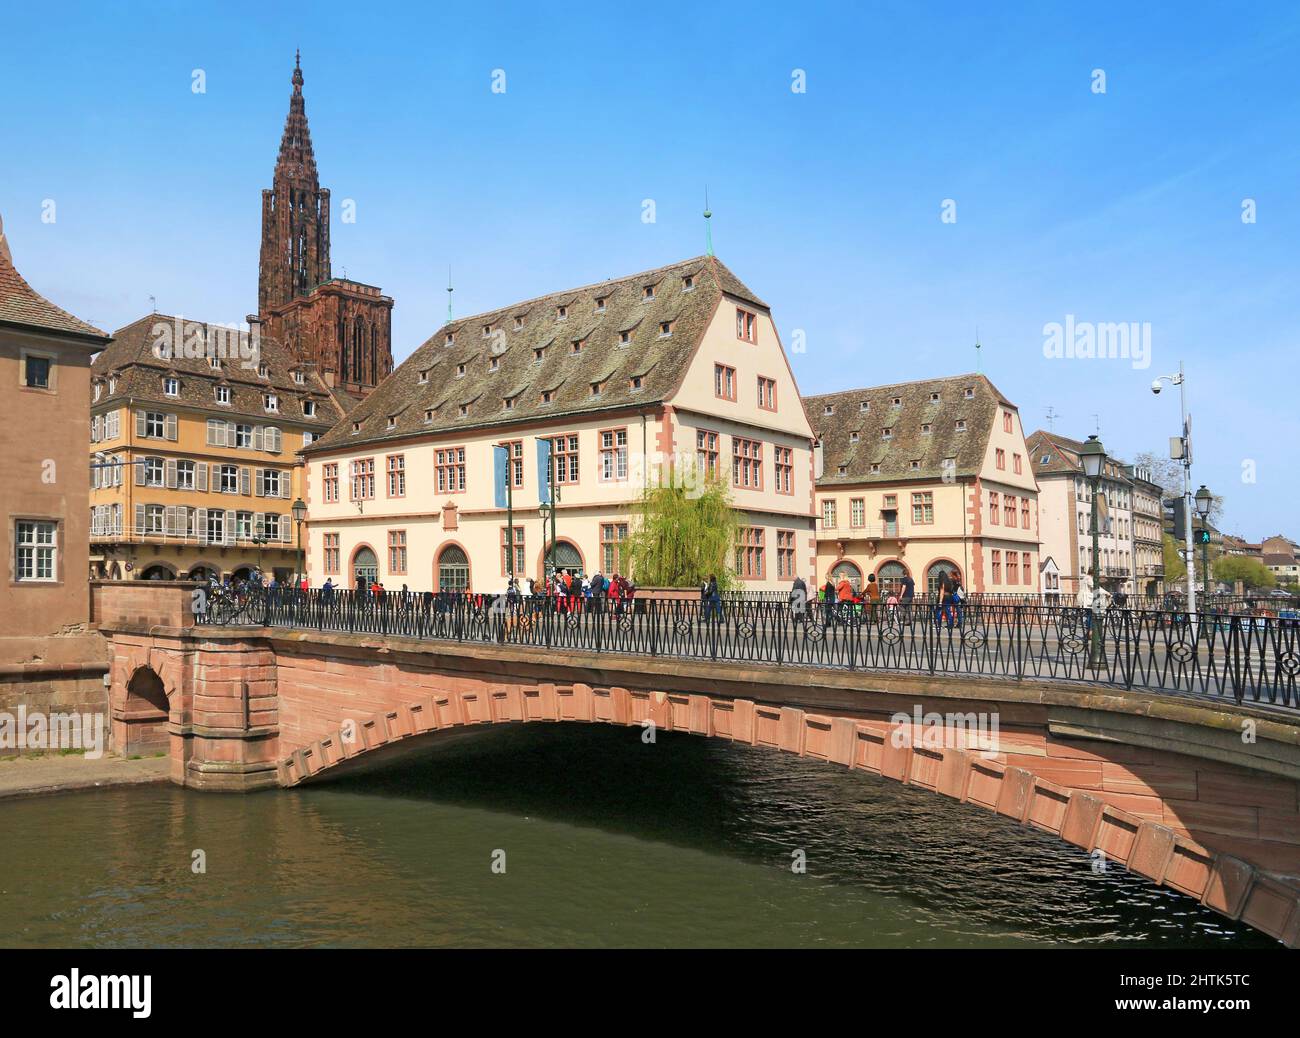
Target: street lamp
[
  {"x": 1204, "y": 499},
  {"x": 299, "y": 510},
  {"x": 1092, "y": 455},
  {"x": 1183, "y": 445}
]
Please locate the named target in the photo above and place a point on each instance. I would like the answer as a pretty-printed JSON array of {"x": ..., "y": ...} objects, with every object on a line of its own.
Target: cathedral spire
[{"x": 296, "y": 155}]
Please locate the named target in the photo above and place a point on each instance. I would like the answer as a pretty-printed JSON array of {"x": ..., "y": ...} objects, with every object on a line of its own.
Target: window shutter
[
  {"x": 230, "y": 527},
  {"x": 258, "y": 437},
  {"x": 201, "y": 524},
  {"x": 169, "y": 520},
  {"x": 201, "y": 476},
  {"x": 245, "y": 481},
  {"x": 212, "y": 432},
  {"x": 284, "y": 485},
  {"x": 139, "y": 519},
  {"x": 285, "y": 523},
  {"x": 232, "y": 438},
  {"x": 139, "y": 423},
  {"x": 261, "y": 482},
  {"x": 169, "y": 427},
  {"x": 139, "y": 471},
  {"x": 94, "y": 429},
  {"x": 170, "y": 474}
]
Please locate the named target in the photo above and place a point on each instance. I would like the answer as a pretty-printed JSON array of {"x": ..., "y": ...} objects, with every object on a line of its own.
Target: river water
[{"x": 605, "y": 842}]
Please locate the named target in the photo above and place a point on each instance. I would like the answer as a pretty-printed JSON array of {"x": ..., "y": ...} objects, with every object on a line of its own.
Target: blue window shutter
[{"x": 543, "y": 470}]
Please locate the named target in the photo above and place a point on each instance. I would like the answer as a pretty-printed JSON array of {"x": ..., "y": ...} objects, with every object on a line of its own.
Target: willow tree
[{"x": 685, "y": 531}]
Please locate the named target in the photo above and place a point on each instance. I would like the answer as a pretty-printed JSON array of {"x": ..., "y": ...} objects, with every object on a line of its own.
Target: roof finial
[
  {"x": 4, "y": 245},
  {"x": 977, "y": 349},
  {"x": 708, "y": 227},
  {"x": 297, "y": 72},
  {"x": 449, "y": 291}
]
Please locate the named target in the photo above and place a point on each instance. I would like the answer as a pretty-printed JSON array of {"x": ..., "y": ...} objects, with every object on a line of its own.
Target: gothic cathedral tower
[{"x": 341, "y": 325}]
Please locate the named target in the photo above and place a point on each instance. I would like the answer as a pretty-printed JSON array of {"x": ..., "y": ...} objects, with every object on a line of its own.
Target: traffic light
[{"x": 1202, "y": 536}]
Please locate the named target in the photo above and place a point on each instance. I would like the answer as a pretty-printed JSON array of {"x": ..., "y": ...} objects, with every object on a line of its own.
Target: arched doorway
[
  {"x": 158, "y": 571},
  {"x": 365, "y": 567},
  {"x": 145, "y": 713},
  {"x": 567, "y": 557},
  {"x": 890, "y": 577},
  {"x": 846, "y": 570},
  {"x": 936, "y": 570},
  {"x": 453, "y": 569}
]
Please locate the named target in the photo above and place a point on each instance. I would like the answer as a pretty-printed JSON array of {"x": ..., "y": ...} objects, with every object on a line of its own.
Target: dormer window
[
  {"x": 896, "y": 402},
  {"x": 487, "y": 330},
  {"x": 842, "y": 470},
  {"x": 561, "y": 313},
  {"x": 428, "y": 414},
  {"x": 934, "y": 398},
  {"x": 494, "y": 364},
  {"x": 624, "y": 337},
  {"x": 595, "y": 389},
  {"x": 635, "y": 382},
  {"x": 665, "y": 329},
  {"x": 925, "y": 429},
  {"x": 356, "y": 427},
  {"x": 600, "y": 304},
  {"x": 548, "y": 395},
  {"x": 98, "y": 389},
  {"x": 464, "y": 410},
  {"x": 309, "y": 408},
  {"x": 300, "y": 377},
  {"x": 688, "y": 283},
  {"x": 968, "y": 393},
  {"x": 270, "y": 401},
  {"x": 539, "y": 354},
  {"x": 508, "y": 403},
  {"x": 828, "y": 409},
  {"x": 172, "y": 386},
  {"x": 112, "y": 386},
  {"x": 519, "y": 323},
  {"x": 450, "y": 340},
  {"x": 864, "y": 406},
  {"x": 853, "y": 437},
  {"x": 392, "y": 421},
  {"x": 960, "y": 425},
  {"x": 263, "y": 371},
  {"x": 887, "y": 433},
  {"x": 576, "y": 346},
  {"x": 460, "y": 370},
  {"x": 424, "y": 377},
  {"x": 221, "y": 394},
  {"x": 214, "y": 363},
  {"x": 875, "y": 468},
  {"x": 647, "y": 293},
  {"x": 914, "y": 465}
]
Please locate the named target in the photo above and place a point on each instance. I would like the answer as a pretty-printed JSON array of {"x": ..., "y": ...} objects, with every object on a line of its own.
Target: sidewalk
[{"x": 36, "y": 776}]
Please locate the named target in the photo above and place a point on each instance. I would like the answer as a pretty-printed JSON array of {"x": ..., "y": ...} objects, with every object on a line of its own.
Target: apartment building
[
  {"x": 1065, "y": 515},
  {"x": 595, "y": 391},
  {"x": 194, "y": 437},
  {"x": 1148, "y": 540},
  {"x": 922, "y": 477}
]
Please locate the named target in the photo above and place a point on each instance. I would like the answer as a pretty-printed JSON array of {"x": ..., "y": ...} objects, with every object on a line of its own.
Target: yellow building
[
  {"x": 618, "y": 380},
  {"x": 921, "y": 477},
  {"x": 195, "y": 431}
]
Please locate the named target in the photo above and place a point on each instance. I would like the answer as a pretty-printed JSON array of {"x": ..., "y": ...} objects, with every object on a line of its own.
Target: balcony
[
  {"x": 873, "y": 531},
  {"x": 131, "y": 535}
]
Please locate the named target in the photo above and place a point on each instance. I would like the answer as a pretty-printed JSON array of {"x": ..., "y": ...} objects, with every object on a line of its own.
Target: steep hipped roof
[
  {"x": 922, "y": 428},
  {"x": 1062, "y": 457},
  {"x": 134, "y": 363},
  {"x": 482, "y": 361},
  {"x": 24, "y": 307}
]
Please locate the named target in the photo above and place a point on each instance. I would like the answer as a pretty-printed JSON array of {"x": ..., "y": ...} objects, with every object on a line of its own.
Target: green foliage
[
  {"x": 685, "y": 532},
  {"x": 1175, "y": 568},
  {"x": 1251, "y": 572}
]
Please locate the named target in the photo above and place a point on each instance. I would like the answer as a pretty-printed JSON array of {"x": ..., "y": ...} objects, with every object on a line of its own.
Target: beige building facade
[
  {"x": 921, "y": 477},
  {"x": 679, "y": 369}
]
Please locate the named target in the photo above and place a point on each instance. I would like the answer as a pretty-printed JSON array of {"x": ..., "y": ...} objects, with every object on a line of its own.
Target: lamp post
[
  {"x": 1204, "y": 499},
  {"x": 1093, "y": 458},
  {"x": 1183, "y": 444},
  {"x": 299, "y": 510}
]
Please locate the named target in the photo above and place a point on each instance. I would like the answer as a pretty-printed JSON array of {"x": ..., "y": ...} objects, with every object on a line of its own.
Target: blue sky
[{"x": 1117, "y": 207}]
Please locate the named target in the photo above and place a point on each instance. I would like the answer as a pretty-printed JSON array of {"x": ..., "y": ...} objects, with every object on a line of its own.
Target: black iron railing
[{"x": 1242, "y": 657}]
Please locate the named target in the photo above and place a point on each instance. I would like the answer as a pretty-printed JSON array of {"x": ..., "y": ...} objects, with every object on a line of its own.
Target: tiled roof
[
  {"x": 482, "y": 369},
  {"x": 922, "y": 429},
  {"x": 1062, "y": 454},
  {"x": 131, "y": 360},
  {"x": 22, "y": 305}
]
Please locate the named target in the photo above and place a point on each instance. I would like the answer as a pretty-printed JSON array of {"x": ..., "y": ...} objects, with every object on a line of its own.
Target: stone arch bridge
[{"x": 1200, "y": 795}]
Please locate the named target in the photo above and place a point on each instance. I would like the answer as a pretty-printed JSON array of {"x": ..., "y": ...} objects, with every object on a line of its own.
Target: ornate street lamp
[
  {"x": 299, "y": 510},
  {"x": 1092, "y": 455},
  {"x": 1204, "y": 500}
]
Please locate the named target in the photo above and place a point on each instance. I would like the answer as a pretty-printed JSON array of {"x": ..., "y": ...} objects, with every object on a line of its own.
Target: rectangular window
[
  {"x": 397, "y": 552},
  {"x": 154, "y": 470},
  {"x": 612, "y": 536},
  {"x": 363, "y": 479},
  {"x": 243, "y": 437},
  {"x": 1000, "y": 458},
  {"x": 185, "y": 475},
  {"x": 228, "y": 479},
  {"x": 724, "y": 382},
  {"x": 857, "y": 512},
  {"x": 923, "y": 509},
  {"x": 216, "y": 526},
  {"x": 1024, "y": 513},
  {"x": 331, "y": 553},
  {"x": 245, "y": 526},
  {"x": 330, "y": 483},
  {"x": 397, "y": 476},
  {"x": 36, "y": 372},
  {"x": 221, "y": 394},
  {"x": 749, "y": 553},
  {"x": 1006, "y": 421},
  {"x": 1013, "y": 568},
  {"x": 766, "y": 393},
  {"x": 521, "y": 560},
  {"x": 1016, "y": 464},
  {"x": 449, "y": 470},
  {"x": 613, "y": 455},
  {"x": 828, "y": 513},
  {"x": 746, "y": 325},
  {"x": 515, "y": 462},
  {"x": 155, "y": 425},
  {"x": 1009, "y": 510},
  {"x": 706, "y": 453},
  {"x": 997, "y": 566},
  {"x": 36, "y": 544},
  {"x": 783, "y": 459},
  {"x": 993, "y": 509},
  {"x": 565, "y": 451},
  {"x": 1027, "y": 568},
  {"x": 172, "y": 386},
  {"x": 746, "y": 463},
  {"x": 785, "y": 554}
]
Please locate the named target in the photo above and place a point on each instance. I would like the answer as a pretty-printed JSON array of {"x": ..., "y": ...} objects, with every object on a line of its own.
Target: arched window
[
  {"x": 358, "y": 344},
  {"x": 890, "y": 577},
  {"x": 935, "y": 571},
  {"x": 567, "y": 557},
  {"x": 848, "y": 571},
  {"x": 374, "y": 356},
  {"x": 144, "y": 690},
  {"x": 453, "y": 569},
  {"x": 365, "y": 567}
]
